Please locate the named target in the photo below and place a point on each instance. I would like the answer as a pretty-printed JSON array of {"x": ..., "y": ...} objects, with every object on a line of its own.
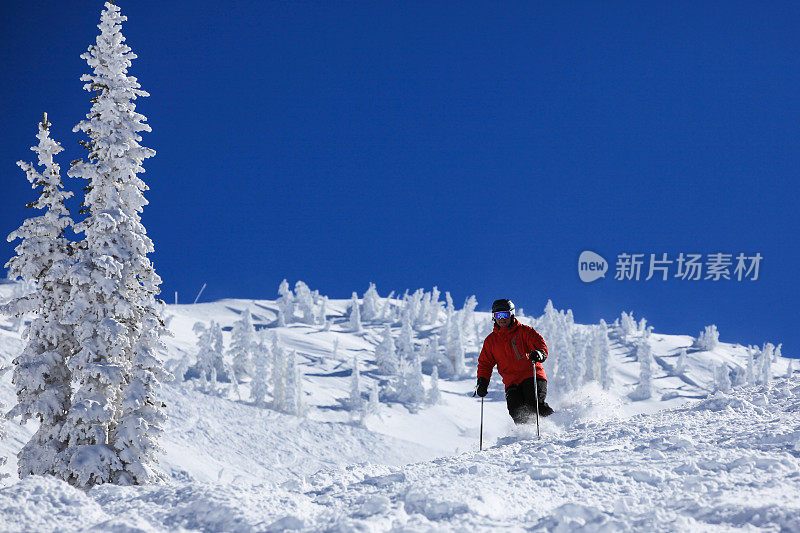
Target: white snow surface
[{"x": 687, "y": 459}]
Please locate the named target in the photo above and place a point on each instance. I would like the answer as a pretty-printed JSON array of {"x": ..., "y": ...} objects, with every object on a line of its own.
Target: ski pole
[
  {"x": 536, "y": 399},
  {"x": 481, "y": 441}
]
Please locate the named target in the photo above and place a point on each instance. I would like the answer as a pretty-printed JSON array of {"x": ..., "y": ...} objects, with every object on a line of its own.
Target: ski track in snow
[{"x": 604, "y": 463}]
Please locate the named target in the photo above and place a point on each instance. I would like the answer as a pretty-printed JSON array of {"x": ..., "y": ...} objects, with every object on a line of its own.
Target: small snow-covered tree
[
  {"x": 209, "y": 352},
  {"x": 355, "y": 315},
  {"x": 680, "y": 366},
  {"x": 604, "y": 355},
  {"x": 405, "y": 342},
  {"x": 643, "y": 389},
  {"x": 304, "y": 302},
  {"x": 627, "y": 325},
  {"x": 765, "y": 362},
  {"x": 355, "y": 402},
  {"x": 323, "y": 313},
  {"x": 41, "y": 377},
  {"x": 373, "y": 406},
  {"x": 286, "y": 303},
  {"x": 455, "y": 350},
  {"x": 243, "y": 342},
  {"x": 468, "y": 318},
  {"x": 408, "y": 387},
  {"x": 371, "y": 303},
  {"x": 434, "y": 307},
  {"x": 722, "y": 380},
  {"x": 258, "y": 386},
  {"x": 708, "y": 339},
  {"x": 434, "y": 396},
  {"x": 294, "y": 386},
  {"x": 279, "y": 393},
  {"x": 386, "y": 354},
  {"x": 750, "y": 369},
  {"x": 789, "y": 369},
  {"x": 115, "y": 415}
]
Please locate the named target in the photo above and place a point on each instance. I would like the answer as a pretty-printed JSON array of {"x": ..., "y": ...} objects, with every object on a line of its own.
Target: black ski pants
[{"x": 521, "y": 400}]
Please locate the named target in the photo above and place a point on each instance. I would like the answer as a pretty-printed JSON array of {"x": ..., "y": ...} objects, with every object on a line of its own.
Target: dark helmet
[{"x": 503, "y": 304}]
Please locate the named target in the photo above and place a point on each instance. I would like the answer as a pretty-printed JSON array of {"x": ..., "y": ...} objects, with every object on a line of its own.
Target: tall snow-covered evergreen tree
[
  {"x": 115, "y": 417},
  {"x": 41, "y": 376},
  {"x": 243, "y": 345}
]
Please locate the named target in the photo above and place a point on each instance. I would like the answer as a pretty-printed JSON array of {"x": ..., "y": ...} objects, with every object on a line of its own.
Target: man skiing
[{"x": 516, "y": 349}]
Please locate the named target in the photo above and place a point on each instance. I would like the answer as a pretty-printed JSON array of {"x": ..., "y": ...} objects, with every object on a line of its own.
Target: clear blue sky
[{"x": 479, "y": 147}]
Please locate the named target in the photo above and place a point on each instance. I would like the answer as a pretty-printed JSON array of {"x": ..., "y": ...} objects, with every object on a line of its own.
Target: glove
[
  {"x": 537, "y": 356},
  {"x": 483, "y": 387}
]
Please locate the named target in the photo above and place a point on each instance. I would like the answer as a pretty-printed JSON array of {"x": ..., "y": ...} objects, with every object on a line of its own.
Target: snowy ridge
[{"x": 233, "y": 466}]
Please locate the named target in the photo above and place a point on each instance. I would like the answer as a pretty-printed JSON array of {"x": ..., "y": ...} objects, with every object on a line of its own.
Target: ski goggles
[{"x": 500, "y": 315}]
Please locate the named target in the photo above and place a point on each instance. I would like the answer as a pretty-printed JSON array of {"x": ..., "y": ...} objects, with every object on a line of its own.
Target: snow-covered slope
[
  {"x": 721, "y": 463},
  {"x": 233, "y": 466}
]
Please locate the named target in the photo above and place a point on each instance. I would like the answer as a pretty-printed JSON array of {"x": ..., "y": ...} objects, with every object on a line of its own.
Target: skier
[{"x": 516, "y": 349}]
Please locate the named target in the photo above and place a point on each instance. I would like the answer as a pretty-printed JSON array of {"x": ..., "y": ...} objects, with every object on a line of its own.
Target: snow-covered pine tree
[
  {"x": 373, "y": 406},
  {"x": 285, "y": 303},
  {"x": 405, "y": 342},
  {"x": 434, "y": 396},
  {"x": 371, "y": 303},
  {"x": 115, "y": 417},
  {"x": 355, "y": 402},
  {"x": 294, "y": 386},
  {"x": 323, "y": 313},
  {"x": 209, "y": 352},
  {"x": 355, "y": 315},
  {"x": 386, "y": 354},
  {"x": 789, "y": 369},
  {"x": 386, "y": 309},
  {"x": 468, "y": 318},
  {"x": 243, "y": 343},
  {"x": 407, "y": 385},
  {"x": 304, "y": 302},
  {"x": 604, "y": 355},
  {"x": 434, "y": 307},
  {"x": 643, "y": 389},
  {"x": 455, "y": 350},
  {"x": 765, "y": 362},
  {"x": 41, "y": 377},
  {"x": 258, "y": 386},
  {"x": 750, "y": 369},
  {"x": 708, "y": 339},
  {"x": 278, "y": 375}
]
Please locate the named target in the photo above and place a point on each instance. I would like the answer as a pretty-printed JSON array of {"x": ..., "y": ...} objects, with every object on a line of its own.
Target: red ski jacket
[{"x": 508, "y": 348}]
